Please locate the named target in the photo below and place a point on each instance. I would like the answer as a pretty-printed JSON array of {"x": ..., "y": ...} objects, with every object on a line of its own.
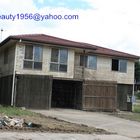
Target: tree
[{"x": 137, "y": 71}]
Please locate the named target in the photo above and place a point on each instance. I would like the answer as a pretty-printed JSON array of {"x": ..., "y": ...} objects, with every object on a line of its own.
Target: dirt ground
[
  {"x": 50, "y": 124},
  {"x": 96, "y": 119}
]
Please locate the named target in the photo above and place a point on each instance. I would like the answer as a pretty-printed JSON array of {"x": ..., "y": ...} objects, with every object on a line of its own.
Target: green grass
[
  {"x": 136, "y": 108},
  {"x": 15, "y": 111},
  {"x": 134, "y": 116}
]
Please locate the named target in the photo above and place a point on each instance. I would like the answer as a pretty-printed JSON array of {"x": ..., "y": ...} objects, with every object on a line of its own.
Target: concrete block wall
[
  {"x": 46, "y": 63},
  {"x": 104, "y": 72},
  {"x": 7, "y": 69}
]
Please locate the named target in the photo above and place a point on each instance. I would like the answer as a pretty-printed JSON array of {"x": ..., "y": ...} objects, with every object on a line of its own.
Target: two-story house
[{"x": 41, "y": 71}]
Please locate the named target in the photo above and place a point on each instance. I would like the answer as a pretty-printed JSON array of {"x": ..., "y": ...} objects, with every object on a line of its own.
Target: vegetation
[
  {"x": 136, "y": 109},
  {"x": 137, "y": 94},
  {"x": 137, "y": 71},
  {"x": 15, "y": 111},
  {"x": 134, "y": 116}
]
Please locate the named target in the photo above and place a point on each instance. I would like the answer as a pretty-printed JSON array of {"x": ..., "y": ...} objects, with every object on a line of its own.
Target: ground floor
[{"x": 45, "y": 92}]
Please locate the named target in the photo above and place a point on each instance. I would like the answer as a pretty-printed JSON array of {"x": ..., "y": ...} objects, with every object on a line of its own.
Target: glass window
[
  {"x": 29, "y": 52},
  {"x": 92, "y": 62},
  {"x": 83, "y": 60},
  {"x": 54, "y": 67},
  {"x": 28, "y": 64},
  {"x": 115, "y": 64},
  {"x": 63, "y": 68},
  {"x": 119, "y": 65},
  {"x": 38, "y": 65},
  {"x": 63, "y": 56},
  {"x": 54, "y": 55},
  {"x": 33, "y": 57},
  {"x": 89, "y": 61},
  {"x": 59, "y": 59},
  {"x": 37, "y": 54},
  {"x": 122, "y": 65}
]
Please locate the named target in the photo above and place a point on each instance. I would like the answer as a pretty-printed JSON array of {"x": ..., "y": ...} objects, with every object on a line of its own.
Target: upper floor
[{"x": 65, "y": 59}]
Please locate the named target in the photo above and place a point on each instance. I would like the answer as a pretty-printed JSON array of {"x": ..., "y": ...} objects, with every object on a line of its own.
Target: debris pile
[{"x": 9, "y": 122}]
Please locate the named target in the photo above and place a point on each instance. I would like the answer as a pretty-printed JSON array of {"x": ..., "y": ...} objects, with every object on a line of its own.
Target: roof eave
[
  {"x": 136, "y": 58},
  {"x": 47, "y": 42}
]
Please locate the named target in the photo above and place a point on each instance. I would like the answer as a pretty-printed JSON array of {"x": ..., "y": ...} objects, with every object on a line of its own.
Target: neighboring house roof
[{"x": 42, "y": 38}]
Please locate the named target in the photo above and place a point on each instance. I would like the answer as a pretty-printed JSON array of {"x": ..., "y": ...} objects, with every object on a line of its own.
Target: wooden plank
[
  {"x": 5, "y": 90},
  {"x": 33, "y": 91},
  {"x": 99, "y": 95}
]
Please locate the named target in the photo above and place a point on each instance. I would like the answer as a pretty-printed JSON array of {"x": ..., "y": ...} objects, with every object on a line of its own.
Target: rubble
[{"x": 16, "y": 123}]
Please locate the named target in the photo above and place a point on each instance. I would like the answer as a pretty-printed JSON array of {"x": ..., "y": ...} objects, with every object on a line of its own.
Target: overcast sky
[{"x": 109, "y": 23}]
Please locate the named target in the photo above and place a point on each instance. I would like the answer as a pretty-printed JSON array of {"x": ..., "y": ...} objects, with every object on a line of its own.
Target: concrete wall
[
  {"x": 104, "y": 71},
  {"x": 46, "y": 63},
  {"x": 7, "y": 69}
]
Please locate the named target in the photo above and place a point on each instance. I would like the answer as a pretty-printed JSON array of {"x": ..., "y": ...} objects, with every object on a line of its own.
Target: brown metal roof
[{"x": 42, "y": 38}]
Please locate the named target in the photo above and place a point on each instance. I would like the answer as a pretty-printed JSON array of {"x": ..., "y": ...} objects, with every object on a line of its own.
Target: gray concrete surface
[
  {"x": 123, "y": 127},
  {"x": 55, "y": 136}
]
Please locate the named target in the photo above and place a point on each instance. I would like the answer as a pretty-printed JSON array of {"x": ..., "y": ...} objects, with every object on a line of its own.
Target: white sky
[{"x": 109, "y": 23}]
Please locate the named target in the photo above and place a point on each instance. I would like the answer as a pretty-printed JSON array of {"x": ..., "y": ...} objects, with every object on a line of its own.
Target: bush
[{"x": 137, "y": 94}]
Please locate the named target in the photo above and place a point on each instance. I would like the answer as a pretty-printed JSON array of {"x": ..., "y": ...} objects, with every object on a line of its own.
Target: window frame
[
  {"x": 112, "y": 65},
  {"x": 123, "y": 71},
  {"x": 59, "y": 63},
  {"x": 86, "y": 63},
  {"x": 33, "y": 57},
  {"x": 119, "y": 65}
]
